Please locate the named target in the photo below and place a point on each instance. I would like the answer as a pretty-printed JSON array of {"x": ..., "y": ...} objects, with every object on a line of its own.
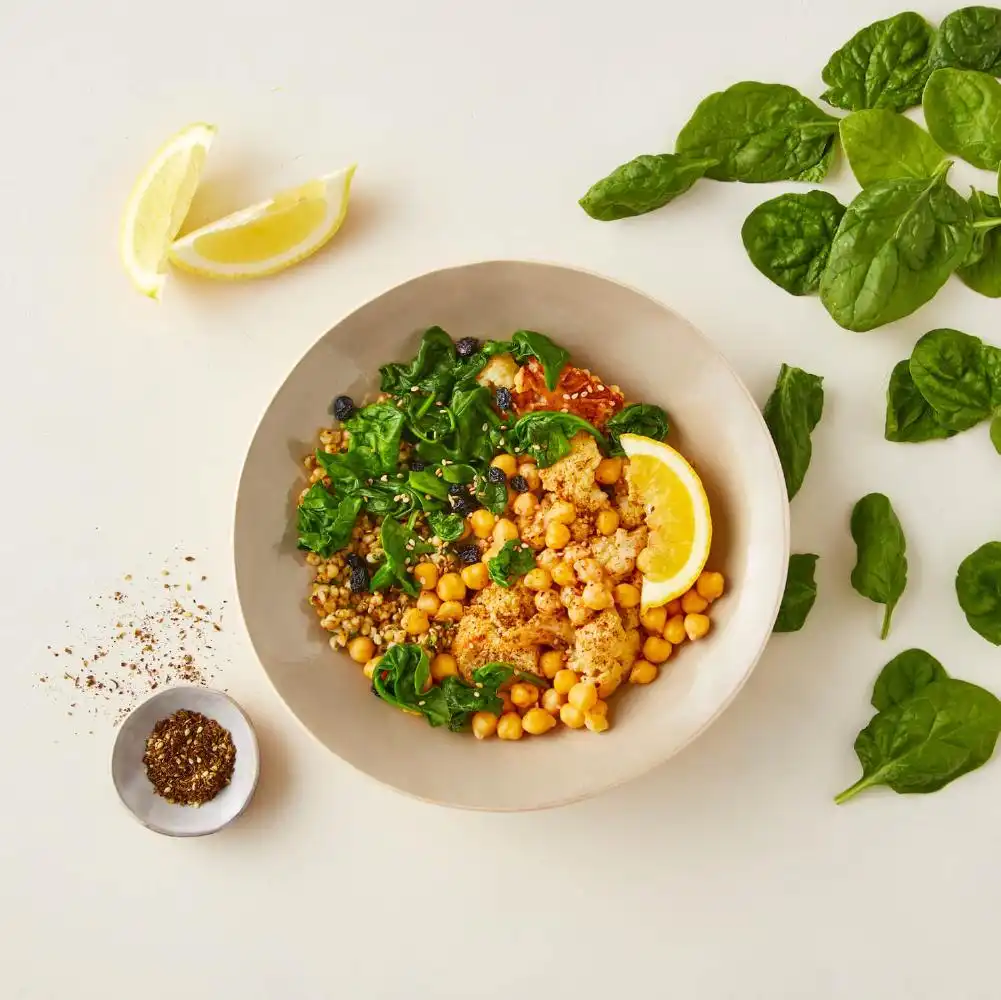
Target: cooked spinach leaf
[
  {"x": 642, "y": 185},
  {"x": 949, "y": 369},
  {"x": 885, "y": 65},
  {"x": 982, "y": 268},
  {"x": 789, "y": 237},
  {"x": 880, "y": 571},
  {"x": 904, "y": 676},
  {"x": 546, "y": 434},
  {"x": 800, "y": 593},
  {"x": 448, "y": 527},
  {"x": 401, "y": 546},
  {"x": 792, "y": 411},
  {"x": 643, "y": 419},
  {"x": 325, "y": 522},
  {"x": 963, "y": 113},
  {"x": 477, "y": 428},
  {"x": 757, "y": 132},
  {"x": 434, "y": 362},
  {"x": 978, "y": 589},
  {"x": 882, "y": 145},
  {"x": 515, "y": 559},
  {"x": 943, "y": 731},
  {"x": 491, "y": 495},
  {"x": 970, "y": 38},
  {"x": 897, "y": 244},
  {"x": 527, "y": 344},
  {"x": 909, "y": 416}
]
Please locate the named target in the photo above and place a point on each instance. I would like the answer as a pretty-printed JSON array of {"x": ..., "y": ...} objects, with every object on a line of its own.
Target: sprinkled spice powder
[{"x": 189, "y": 758}]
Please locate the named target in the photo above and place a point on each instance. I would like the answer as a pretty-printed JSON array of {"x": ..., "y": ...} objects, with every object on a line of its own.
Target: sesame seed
[
  {"x": 485, "y": 427},
  {"x": 566, "y": 395},
  {"x": 384, "y": 479},
  {"x": 414, "y": 389}
]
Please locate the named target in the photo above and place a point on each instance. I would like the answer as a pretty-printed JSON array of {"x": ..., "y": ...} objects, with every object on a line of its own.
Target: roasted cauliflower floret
[
  {"x": 617, "y": 553},
  {"x": 478, "y": 641},
  {"x": 599, "y": 646},
  {"x": 572, "y": 477},
  {"x": 500, "y": 370},
  {"x": 628, "y": 503}
]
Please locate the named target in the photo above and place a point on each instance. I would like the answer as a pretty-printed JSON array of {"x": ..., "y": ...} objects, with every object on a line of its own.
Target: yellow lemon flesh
[
  {"x": 677, "y": 515},
  {"x": 269, "y": 236},
  {"x": 158, "y": 204}
]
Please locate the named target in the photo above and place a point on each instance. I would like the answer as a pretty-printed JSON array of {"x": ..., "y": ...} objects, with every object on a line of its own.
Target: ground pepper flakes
[{"x": 189, "y": 758}]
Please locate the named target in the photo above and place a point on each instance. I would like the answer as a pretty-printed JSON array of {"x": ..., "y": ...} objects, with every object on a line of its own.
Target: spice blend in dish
[
  {"x": 500, "y": 538},
  {"x": 189, "y": 758}
]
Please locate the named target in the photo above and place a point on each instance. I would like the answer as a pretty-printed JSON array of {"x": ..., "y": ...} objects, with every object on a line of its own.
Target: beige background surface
[{"x": 726, "y": 874}]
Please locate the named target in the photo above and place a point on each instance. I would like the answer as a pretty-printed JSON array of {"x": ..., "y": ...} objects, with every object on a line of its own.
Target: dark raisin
[
  {"x": 519, "y": 484},
  {"x": 416, "y": 465},
  {"x": 355, "y": 561},
  {"x": 503, "y": 397},
  {"x": 457, "y": 489},
  {"x": 359, "y": 580},
  {"x": 464, "y": 505},
  {"x": 468, "y": 554},
  {"x": 496, "y": 475},
  {"x": 344, "y": 406},
  {"x": 466, "y": 347}
]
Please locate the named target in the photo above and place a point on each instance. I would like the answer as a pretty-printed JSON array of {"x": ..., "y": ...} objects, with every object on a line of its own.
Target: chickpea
[
  {"x": 547, "y": 602},
  {"x": 607, "y": 522},
  {"x": 369, "y": 669},
  {"x": 525, "y": 504},
  {"x": 415, "y": 621},
  {"x": 361, "y": 649},
  {"x": 537, "y": 721},
  {"x": 551, "y": 663},
  {"x": 579, "y": 614},
  {"x": 674, "y": 630},
  {"x": 563, "y": 574},
  {"x": 528, "y": 471},
  {"x": 644, "y": 561},
  {"x": 557, "y": 535},
  {"x": 608, "y": 472},
  {"x": 654, "y": 619},
  {"x": 710, "y": 586},
  {"x": 451, "y": 587},
  {"x": 693, "y": 604},
  {"x": 524, "y": 695},
  {"x": 656, "y": 650},
  {"x": 572, "y": 718},
  {"x": 597, "y": 597},
  {"x": 696, "y": 626},
  {"x": 482, "y": 522},
  {"x": 426, "y": 574},
  {"x": 547, "y": 559},
  {"x": 596, "y": 723},
  {"x": 475, "y": 576},
  {"x": 608, "y": 687},
  {"x": 506, "y": 703},
  {"x": 552, "y": 700},
  {"x": 642, "y": 672},
  {"x": 673, "y": 608},
  {"x": 589, "y": 571},
  {"x": 508, "y": 464},
  {"x": 429, "y": 601},
  {"x": 564, "y": 681},
  {"x": 599, "y": 708},
  {"x": 626, "y": 595},
  {"x": 538, "y": 579},
  {"x": 505, "y": 530},
  {"x": 444, "y": 665},
  {"x": 509, "y": 726},
  {"x": 561, "y": 512},
  {"x": 583, "y": 695},
  {"x": 484, "y": 725},
  {"x": 450, "y": 611}
]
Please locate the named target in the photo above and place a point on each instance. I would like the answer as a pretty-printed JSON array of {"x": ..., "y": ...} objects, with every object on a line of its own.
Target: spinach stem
[
  {"x": 885, "y": 631},
  {"x": 853, "y": 790}
]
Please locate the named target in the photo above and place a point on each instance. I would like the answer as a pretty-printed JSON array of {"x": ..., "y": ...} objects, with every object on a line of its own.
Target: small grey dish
[{"x": 135, "y": 789}]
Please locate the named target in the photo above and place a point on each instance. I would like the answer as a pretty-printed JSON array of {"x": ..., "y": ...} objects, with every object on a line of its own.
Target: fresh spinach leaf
[
  {"x": 642, "y": 185},
  {"x": 792, "y": 411},
  {"x": 546, "y": 434},
  {"x": 820, "y": 170},
  {"x": 945, "y": 730},
  {"x": 882, "y": 145},
  {"x": 527, "y": 344},
  {"x": 800, "y": 593},
  {"x": 978, "y": 589},
  {"x": 757, "y": 132},
  {"x": 401, "y": 546},
  {"x": 325, "y": 522},
  {"x": 789, "y": 237},
  {"x": 897, "y": 244},
  {"x": 515, "y": 559},
  {"x": 643, "y": 419},
  {"x": 982, "y": 269},
  {"x": 963, "y": 113},
  {"x": 880, "y": 571},
  {"x": 970, "y": 38},
  {"x": 904, "y": 676},
  {"x": 949, "y": 369},
  {"x": 996, "y": 433},
  {"x": 909, "y": 416},
  {"x": 885, "y": 65},
  {"x": 448, "y": 527}
]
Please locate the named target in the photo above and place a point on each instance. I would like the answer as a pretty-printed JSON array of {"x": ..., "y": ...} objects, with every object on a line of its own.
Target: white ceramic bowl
[
  {"x": 134, "y": 788},
  {"x": 627, "y": 338}
]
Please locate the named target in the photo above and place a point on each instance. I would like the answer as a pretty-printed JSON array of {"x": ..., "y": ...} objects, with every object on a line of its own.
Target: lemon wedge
[
  {"x": 269, "y": 236},
  {"x": 677, "y": 516},
  {"x": 158, "y": 204}
]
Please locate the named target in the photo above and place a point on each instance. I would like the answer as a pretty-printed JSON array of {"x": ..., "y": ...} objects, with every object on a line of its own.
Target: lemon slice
[
  {"x": 677, "y": 516},
  {"x": 158, "y": 204},
  {"x": 268, "y": 236}
]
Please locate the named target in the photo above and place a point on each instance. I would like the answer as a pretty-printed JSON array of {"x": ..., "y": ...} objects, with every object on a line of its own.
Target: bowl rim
[
  {"x": 201, "y": 692},
  {"x": 635, "y": 773}
]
